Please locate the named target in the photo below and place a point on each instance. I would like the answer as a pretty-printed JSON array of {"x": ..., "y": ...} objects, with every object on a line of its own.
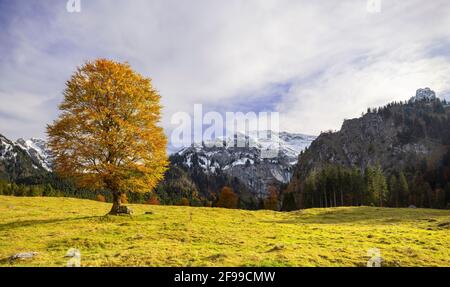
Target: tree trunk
[{"x": 117, "y": 203}]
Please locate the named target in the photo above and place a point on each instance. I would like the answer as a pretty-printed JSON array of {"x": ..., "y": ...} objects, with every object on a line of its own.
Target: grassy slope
[{"x": 184, "y": 236}]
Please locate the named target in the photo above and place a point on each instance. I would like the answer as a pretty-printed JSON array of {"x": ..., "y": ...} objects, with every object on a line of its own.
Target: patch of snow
[
  {"x": 37, "y": 149},
  {"x": 242, "y": 161}
]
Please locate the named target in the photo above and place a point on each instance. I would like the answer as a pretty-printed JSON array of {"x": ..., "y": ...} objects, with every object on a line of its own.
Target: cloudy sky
[{"x": 315, "y": 62}]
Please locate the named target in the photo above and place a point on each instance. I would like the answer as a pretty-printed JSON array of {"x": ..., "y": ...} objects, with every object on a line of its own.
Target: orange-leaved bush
[
  {"x": 100, "y": 198},
  {"x": 227, "y": 198}
]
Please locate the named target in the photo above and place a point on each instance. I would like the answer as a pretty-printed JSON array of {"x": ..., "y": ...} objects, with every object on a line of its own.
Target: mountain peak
[
  {"x": 249, "y": 164},
  {"x": 37, "y": 149},
  {"x": 424, "y": 94}
]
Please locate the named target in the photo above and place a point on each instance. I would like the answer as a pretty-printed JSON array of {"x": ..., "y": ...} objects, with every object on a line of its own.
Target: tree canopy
[{"x": 107, "y": 135}]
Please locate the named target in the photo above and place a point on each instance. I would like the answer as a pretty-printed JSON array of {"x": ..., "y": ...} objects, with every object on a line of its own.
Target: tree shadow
[
  {"x": 362, "y": 214},
  {"x": 26, "y": 223},
  {"x": 6, "y": 260}
]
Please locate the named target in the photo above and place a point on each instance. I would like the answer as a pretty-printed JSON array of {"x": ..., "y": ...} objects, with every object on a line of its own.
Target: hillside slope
[
  {"x": 396, "y": 136},
  {"x": 411, "y": 138},
  {"x": 186, "y": 236}
]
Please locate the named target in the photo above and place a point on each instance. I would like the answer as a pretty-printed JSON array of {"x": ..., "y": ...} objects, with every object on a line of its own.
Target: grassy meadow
[{"x": 187, "y": 236}]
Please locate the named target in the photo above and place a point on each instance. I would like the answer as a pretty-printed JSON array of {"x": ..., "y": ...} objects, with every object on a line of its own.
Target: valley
[{"x": 199, "y": 236}]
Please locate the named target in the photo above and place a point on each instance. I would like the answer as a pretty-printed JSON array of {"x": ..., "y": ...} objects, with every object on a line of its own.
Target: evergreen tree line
[
  {"x": 48, "y": 190},
  {"x": 226, "y": 197},
  {"x": 424, "y": 119},
  {"x": 179, "y": 187},
  {"x": 335, "y": 186},
  {"x": 417, "y": 184}
]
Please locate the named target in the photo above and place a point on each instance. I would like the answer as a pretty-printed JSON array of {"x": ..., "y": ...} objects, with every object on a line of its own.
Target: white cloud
[
  {"x": 338, "y": 57},
  {"x": 347, "y": 91}
]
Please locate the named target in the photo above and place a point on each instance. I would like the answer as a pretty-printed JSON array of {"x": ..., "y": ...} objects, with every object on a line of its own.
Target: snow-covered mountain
[
  {"x": 38, "y": 151},
  {"x": 257, "y": 161},
  {"x": 6, "y": 149},
  {"x": 19, "y": 161}
]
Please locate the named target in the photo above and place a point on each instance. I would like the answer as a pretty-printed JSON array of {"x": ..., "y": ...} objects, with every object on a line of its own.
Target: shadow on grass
[
  {"x": 6, "y": 260},
  {"x": 363, "y": 214},
  {"x": 26, "y": 223}
]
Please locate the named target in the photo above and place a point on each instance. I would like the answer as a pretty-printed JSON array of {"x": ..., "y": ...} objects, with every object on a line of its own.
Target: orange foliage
[
  {"x": 108, "y": 134},
  {"x": 123, "y": 198},
  {"x": 153, "y": 201},
  {"x": 271, "y": 202},
  {"x": 227, "y": 198},
  {"x": 100, "y": 198},
  {"x": 184, "y": 202}
]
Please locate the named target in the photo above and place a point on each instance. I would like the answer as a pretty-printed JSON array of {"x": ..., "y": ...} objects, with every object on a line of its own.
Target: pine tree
[
  {"x": 358, "y": 187},
  {"x": 107, "y": 136},
  {"x": 447, "y": 196},
  {"x": 382, "y": 189},
  {"x": 310, "y": 191},
  {"x": 393, "y": 191},
  {"x": 289, "y": 202},
  {"x": 370, "y": 183},
  {"x": 3, "y": 186},
  {"x": 376, "y": 185},
  {"x": 403, "y": 189}
]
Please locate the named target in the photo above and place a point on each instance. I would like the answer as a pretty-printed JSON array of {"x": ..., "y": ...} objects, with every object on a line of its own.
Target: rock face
[
  {"x": 123, "y": 209},
  {"x": 397, "y": 136},
  {"x": 259, "y": 163},
  {"x": 424, "y": 94},
  {"x": 24, "y": 255}
]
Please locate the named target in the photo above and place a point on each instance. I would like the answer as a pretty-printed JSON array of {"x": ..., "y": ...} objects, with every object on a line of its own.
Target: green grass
[{"x": 185, "y": 236}]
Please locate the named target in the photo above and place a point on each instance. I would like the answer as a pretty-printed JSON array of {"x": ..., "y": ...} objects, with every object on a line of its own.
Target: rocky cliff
[{"x": 397, "y": 136}]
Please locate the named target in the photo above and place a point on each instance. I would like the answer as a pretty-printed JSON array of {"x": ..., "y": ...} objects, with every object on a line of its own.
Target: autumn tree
[
  {"x": 271, "y": 202},
  {"x": 227, "y": 198},
  {"x": 184, "y": 202},
  {"x": 107, "y": 136},
  {"x": 153, "y": 201},
  {"x": 100, "y": 198}
]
